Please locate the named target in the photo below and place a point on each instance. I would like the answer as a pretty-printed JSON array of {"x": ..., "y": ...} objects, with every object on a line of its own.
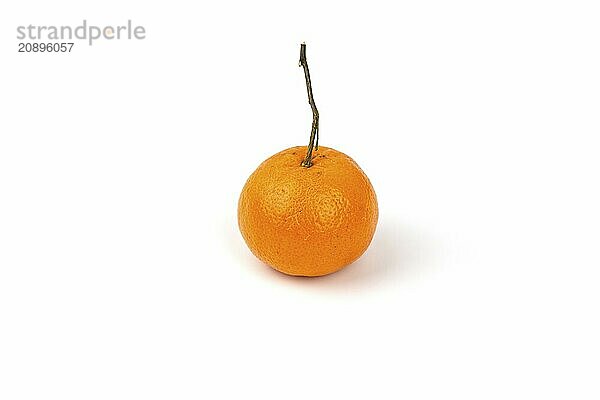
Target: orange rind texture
[{"x": 308, "y": 221}]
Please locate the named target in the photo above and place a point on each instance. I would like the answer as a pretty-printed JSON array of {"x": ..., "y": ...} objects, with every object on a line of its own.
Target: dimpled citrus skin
[{"x": 308, "y": 221}]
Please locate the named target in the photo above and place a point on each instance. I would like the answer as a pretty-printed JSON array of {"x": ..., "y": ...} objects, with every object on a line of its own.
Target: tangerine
[
  {"x": 308, "y": 211},
  {"x": 308, "y": 221}
]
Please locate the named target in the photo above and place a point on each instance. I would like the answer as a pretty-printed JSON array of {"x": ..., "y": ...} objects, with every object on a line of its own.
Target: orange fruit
[
  {"x": 306, "y": 213},
  {"x": 308, "y": 221}
]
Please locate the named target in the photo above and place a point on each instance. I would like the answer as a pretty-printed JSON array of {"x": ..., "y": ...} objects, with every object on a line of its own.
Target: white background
[{"x": 122, "y": 271}]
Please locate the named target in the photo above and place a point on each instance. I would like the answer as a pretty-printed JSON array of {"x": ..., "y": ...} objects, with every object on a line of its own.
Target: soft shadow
[{"x": 398, "y": 253}]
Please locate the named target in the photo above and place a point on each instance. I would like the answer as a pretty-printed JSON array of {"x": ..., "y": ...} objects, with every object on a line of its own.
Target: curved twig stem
[{"x": 314, "y": 131}]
